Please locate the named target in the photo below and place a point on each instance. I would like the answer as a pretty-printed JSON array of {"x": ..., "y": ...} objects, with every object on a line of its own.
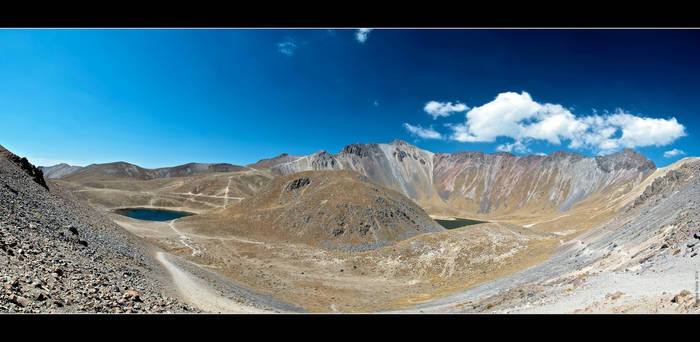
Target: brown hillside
[{"x": 330, "y": 209}]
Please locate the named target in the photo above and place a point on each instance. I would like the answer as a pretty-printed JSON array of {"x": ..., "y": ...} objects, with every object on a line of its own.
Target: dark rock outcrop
[
  {"x": 669, "y": 182},
  {"x": 32, "y": 171},
  {"x": 627, "y": 159},
  {"x": 358, "y": 149},
  {"x": 298, "y": 183}
]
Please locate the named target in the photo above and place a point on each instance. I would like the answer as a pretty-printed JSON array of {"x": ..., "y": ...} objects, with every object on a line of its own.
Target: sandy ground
[
  {"x": 194, "y": 282},
  {"x": 418, "y": 270},
  {"x": 197, "y": 292},
  {"x": 649, "y": 291}
]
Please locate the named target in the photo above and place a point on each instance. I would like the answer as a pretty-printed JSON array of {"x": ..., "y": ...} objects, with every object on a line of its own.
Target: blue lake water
[{"x": 151, "y": 214}]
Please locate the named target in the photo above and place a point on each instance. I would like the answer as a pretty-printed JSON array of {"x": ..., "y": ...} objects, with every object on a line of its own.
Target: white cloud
[
  {"x": 362, "y": 34},
  {"x": 438, "y": 109},
  {"x": 287, "y": 47},
  {"x": 425, "y": 133},
  {"x": 672, "y": 153},
  {"x": 519, "y": 117},
  {"x": 517, "y": 146}
]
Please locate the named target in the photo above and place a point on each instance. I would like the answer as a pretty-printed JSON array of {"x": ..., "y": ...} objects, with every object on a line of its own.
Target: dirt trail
[
  {"x": 228, "y": 185},
  {"x": 184, "y": 238},
  {"x": 536, "y": 223},
  {"x": 198, "y": 293}
]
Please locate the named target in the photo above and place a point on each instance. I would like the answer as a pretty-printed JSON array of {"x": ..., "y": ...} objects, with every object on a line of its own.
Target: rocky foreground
[{"x": 59, "y": 256}]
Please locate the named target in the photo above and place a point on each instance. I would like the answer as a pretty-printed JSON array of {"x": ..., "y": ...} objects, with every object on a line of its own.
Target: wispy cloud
[
  {"x": 287, "y": 47},
  {"x": 362, "y": 34},
  {"x": 375, "y": 103},
  {"x": 444, "y": 109},
  {"x": 424, "y": 133},
  {"x": 516, "y": 146},
  {"x": 672, "y": 153},
  {"x": 519, "y": 117}
]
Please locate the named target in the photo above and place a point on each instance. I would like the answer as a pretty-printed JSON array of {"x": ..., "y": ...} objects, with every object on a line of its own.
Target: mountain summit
[{"x": 476, "y": 182}]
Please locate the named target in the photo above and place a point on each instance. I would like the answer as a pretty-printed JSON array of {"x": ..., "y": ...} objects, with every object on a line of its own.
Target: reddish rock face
[{"x": 486, "y": 183}]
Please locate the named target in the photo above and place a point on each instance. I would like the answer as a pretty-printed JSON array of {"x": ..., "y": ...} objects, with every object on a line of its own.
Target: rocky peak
[
  {"x": 504, "y": 154},
  {"x": 576, "y": 157},
  {"x": 321, "y": 153},
  {"x": 464, "y": 155},
  {"x": 399, "y": 142},
  {"x": 557, "y": 155},
  {"x": 530, "y": 158},
  {"x": 322, "y": 160},
  {"x": 358, "y": 149},
  {"x": 626, "y": 159}
]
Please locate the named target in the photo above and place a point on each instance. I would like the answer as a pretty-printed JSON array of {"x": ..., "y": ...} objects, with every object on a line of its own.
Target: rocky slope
[
  {"x": 641, "y": 260},
  {"x": 474, "y": 183},
  {"x": 30, "y": 170},
  {"x": 330, "y": 209},
  {"x": 57, "y": 255}
]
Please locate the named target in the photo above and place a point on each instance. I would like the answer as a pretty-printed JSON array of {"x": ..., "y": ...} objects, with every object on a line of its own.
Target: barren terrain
[{"x": 297, "y": 244}]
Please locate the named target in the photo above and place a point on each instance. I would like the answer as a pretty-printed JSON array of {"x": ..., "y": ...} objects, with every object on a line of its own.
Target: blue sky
[{"x": 167, "y": 97}]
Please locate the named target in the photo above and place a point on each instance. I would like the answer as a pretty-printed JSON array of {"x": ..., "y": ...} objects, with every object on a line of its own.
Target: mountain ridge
[
  {"x": 465, "y": 179},
  {"x": 121, "y": 169},
  {"x": 459, "y": 183}
]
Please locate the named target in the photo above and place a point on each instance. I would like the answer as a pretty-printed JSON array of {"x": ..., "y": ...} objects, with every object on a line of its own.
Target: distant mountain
[
  {"x": 59, "y": 170},
  {"x": 127, "y": 170},
  {"x": 459, "y": 183},
  {"x": 475, "y": 182}
]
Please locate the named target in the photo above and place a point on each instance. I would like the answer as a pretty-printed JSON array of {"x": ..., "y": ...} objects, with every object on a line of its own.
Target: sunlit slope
[
  {"x": 478, "y": 184},
  {"x": 329, "y": 209},
  {"x": 198, "y": 193}
]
